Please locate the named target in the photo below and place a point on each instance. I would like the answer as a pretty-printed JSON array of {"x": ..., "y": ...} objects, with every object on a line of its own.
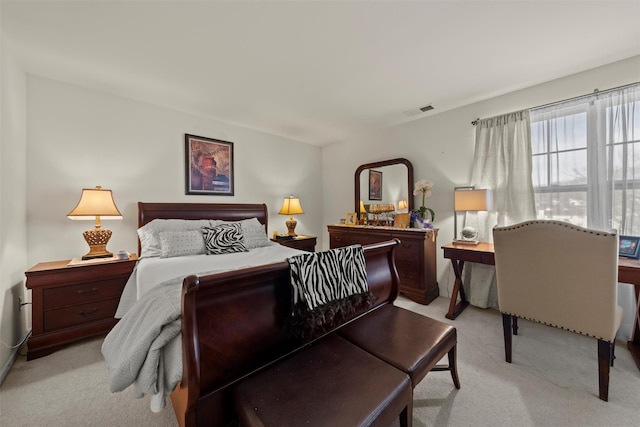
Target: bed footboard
[{"x": 235, "y": 323}]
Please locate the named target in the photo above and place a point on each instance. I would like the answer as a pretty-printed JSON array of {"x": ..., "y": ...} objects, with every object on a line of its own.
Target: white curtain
[{"x": 502, "y": 162}]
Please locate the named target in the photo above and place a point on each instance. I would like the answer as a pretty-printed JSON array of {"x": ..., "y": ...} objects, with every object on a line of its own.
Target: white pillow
[
  {"x": 255, "y": 237},
  {"x": 223, "y": 238},
  {"x": 181, "y": 243},
  {"x": 149, "y": 233}
]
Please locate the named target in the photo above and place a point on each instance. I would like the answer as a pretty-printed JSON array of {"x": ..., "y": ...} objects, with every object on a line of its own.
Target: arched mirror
[{"x": 385, "y": 182}]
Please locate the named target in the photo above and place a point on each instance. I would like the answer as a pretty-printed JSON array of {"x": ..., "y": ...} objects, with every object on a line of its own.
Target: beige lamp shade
[
  {"x": 402, "y": 204},
  {"x": 291, "y": 206},
  {"x": 94, "y": 204},
  {"x": 362, "y": 208},
  {"x": 468, "y": 199},
  {"x": 472, "y": 200}
]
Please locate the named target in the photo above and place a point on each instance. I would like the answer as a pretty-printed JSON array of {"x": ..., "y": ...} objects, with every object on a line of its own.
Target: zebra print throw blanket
[{"x": 328, "y": 288}]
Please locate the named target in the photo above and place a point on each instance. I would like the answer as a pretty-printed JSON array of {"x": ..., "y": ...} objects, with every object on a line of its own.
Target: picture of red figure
[{"x": 209, "y": 168}]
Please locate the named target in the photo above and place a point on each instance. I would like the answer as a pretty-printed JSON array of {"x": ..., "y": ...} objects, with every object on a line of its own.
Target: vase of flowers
[{"x": 423, "y": 217}]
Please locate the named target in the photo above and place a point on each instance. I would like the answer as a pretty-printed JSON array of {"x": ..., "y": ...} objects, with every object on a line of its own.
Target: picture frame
[
  {"x": 629, "y": 247},
  {"x": 375, "y": 185},
  {"x": 402, "y": 220},
  {"x": 208, "y": 166},
  {"x": 350, "y": 218}
]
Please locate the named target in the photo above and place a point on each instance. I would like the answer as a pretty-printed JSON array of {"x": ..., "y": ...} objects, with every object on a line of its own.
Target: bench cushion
[
  {"x": 329, "y": 383},
  {"x": 409, "y": 341}
]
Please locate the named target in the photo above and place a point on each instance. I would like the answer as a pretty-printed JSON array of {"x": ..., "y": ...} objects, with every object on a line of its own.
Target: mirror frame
[{"x": 398, "y": 161}]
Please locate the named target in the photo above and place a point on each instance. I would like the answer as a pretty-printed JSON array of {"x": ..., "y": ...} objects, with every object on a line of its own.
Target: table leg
[
  {"x": 634, "y": 344},
  {"x": 458, "y": 288}
]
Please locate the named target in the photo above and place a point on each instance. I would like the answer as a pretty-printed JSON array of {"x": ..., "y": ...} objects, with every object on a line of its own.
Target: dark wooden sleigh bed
[{"x": 234, "y": 323}]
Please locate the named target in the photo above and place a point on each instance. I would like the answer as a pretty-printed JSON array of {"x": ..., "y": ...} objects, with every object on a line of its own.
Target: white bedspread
[
  {"x": 149, "y": 272},
  {"x": 145, "y": 349}
]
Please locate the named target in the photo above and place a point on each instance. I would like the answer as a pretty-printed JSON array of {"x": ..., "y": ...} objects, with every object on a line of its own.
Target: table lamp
[
  {"x": 468, "y": 199},
  {"x": 402, "y": 205},
  {"x": 291, "y": 206},
  {"x": 96, "y": 203}
]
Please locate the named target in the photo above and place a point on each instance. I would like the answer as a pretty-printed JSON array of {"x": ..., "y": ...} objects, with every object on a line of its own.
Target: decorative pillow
[
  {"x": 181, "y": 243},
  {"x": 224, "y": 238},
  {"x": 255, "y": 237},
  {"x": 149, "y": 233}
]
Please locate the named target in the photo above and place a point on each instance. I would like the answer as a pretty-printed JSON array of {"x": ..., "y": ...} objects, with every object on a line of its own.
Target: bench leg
[
  {"x": 406, "y": 416},
  {"x": 453, "y": 365}
]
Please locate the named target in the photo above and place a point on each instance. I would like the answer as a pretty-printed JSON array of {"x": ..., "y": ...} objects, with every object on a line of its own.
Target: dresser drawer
[
  {"x": 79, "y": 314},
  {"x": 409, "y": 247},
  {"x": 82, "y": 293}
]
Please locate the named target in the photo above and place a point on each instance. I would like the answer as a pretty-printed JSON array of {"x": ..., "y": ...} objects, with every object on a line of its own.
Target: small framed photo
[
  {"x": 350, "y": 218},
  {"x": 375, "y": 185},
  {"x": 629, "y": 247},
  {"x": 402, "y": 220},
  {"x": 208, "y": 166}
]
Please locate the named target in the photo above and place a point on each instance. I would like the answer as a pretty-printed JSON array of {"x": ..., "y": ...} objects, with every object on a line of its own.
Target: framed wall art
[
  {"x": 208, "y": 166},
  {"x": 629, "y": 247},
  {"x": 375, "y": 185}
]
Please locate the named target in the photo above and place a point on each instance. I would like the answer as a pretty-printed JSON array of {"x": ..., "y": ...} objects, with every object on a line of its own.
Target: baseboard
[{"x": 12, "y": 358}]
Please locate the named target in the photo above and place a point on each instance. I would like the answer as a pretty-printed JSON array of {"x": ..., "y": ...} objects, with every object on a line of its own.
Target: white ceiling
[{"x": 321, "y": 71}]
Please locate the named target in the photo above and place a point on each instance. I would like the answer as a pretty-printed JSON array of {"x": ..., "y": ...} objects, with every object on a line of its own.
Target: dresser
[
  {"x": 415, "y": 256},
  {"x": 72, "y": 302}
]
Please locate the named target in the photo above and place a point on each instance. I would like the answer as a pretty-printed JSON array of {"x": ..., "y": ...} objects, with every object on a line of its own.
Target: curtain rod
[{"x": 595, "y": 92}]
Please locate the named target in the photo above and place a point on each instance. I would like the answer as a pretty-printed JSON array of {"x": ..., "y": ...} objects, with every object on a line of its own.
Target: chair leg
[
  {"x": 604, "y": 362},
  {"x": 515, "y": 325},
  {"x": 453, "y": 365},
  {"x": 506, "y": 327},
  {"x": 613, "y": 352}
]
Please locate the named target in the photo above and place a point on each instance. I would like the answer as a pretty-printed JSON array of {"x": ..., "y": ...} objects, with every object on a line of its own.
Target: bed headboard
[{"x": 147, "y": 212}]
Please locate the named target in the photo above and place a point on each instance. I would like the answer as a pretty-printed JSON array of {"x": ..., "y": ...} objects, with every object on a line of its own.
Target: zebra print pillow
[{"x": 224, "y": 238}]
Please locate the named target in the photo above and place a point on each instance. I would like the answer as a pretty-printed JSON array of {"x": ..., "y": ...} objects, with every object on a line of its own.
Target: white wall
[
  {"x": 82, "y": 138},
  {"x": 441, "y": 148},
  {"x": 13, "y": 228}
]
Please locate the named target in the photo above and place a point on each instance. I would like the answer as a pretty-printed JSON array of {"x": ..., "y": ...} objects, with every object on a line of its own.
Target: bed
[
  {"x": 151, "y": 299},
  {"x": 204, "y": 330}
]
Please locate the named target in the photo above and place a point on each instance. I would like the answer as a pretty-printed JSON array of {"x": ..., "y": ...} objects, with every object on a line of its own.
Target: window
[{"x": 586, "y": 161}]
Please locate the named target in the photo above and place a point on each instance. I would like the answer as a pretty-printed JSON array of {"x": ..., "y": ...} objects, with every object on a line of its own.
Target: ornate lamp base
[
  {"x": 97, "y": 240},
  {"x": 291, "y": 226}
]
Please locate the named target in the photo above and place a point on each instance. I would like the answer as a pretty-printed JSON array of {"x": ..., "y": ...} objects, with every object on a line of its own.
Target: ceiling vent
[{"x": 417, "y": 111}]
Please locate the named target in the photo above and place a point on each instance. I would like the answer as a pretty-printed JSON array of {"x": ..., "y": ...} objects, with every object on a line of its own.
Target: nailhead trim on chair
[
  {"x": 559, "y": 223},
  {"x": 555, "y": 326}
]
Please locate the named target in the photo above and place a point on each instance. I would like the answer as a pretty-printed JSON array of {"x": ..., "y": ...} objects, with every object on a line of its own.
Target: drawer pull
[
  {"x": 91, "y": 292},
  {"x": 93, "y": 310}
]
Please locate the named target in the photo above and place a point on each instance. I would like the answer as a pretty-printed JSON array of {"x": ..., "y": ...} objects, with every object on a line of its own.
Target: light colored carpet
[{"x": 553, "y": 381}]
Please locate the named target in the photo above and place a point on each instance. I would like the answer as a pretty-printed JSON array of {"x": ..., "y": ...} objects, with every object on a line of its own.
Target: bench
[{"x": 241, "y": 365}]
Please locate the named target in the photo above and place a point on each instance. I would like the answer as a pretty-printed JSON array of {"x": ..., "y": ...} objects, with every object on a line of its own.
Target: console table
[{"x": 628, "y": 272}]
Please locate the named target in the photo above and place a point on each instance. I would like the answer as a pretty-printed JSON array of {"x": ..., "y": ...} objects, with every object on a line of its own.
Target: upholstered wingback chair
[{"x": 562, "y": 275}]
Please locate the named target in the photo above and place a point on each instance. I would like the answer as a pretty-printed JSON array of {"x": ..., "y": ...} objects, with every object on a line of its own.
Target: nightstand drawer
[
  {"x": 79, "y": 314},
  {"x": 82, "y": 293}
]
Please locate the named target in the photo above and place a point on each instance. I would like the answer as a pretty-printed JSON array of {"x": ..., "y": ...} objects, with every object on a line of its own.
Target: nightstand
[
  {"x": 72, "y": 302},
  {"x": 304, "y": 243}
]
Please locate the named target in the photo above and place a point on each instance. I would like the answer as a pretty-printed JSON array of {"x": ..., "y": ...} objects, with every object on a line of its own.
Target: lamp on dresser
[
  {"x": 469, "y": 199},
  {"x": 95, "y": 204},
  {"x": 291, "y": 206}
]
